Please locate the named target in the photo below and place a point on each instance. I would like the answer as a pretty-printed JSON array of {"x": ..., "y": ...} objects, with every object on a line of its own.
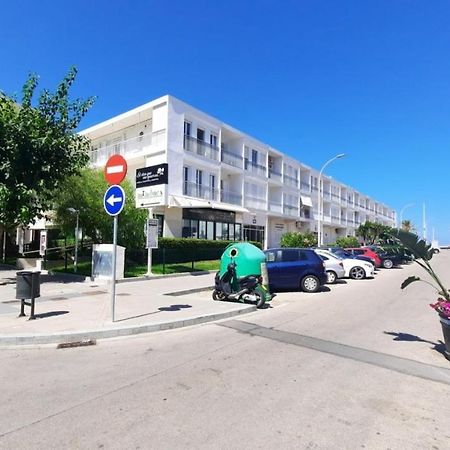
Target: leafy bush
[
  {"x": 345, "y": 242},
  {"x": 196, "y": 243},
  {"x": 296, "y": 239}
]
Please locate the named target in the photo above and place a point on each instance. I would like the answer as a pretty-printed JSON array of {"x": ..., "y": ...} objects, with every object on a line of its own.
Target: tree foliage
[
  {"x": 296, "y": 239},
  {"x": 39, "y": 148},
  {"x": 407, "y": 226},
  {"x": 84, "y": 193},
  {"x": 372, "y": 232},
  {"x": 346, "y": 242}
]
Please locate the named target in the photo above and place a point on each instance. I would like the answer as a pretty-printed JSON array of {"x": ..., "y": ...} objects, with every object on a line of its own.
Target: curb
[{"x": 39, "y": 339}]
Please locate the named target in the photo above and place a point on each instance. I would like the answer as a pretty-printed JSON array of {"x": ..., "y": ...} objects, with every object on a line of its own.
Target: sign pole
[
  {"x": 113, "y": 287},
  {"x": 149, "y": 250}
]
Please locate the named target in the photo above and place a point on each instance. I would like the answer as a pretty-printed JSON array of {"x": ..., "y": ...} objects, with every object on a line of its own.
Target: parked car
[
  {"x": 389, "y": 258},
  {"x": 355, "y": 269},
  {"x": 365, "y": 251},
  {"x": 295, "y": 268},
  {"x": 341, "y": 253},
  {"x": 334, "y": 268}
]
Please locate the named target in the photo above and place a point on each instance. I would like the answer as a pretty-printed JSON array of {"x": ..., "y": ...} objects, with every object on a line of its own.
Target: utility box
[{"x": 102, "y": 261}]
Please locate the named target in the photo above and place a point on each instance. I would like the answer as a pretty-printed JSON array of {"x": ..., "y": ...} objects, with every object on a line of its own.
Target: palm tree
[{"x": 408, "y": 226}]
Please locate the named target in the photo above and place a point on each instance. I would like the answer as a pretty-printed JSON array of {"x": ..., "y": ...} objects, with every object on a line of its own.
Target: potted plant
[{"x": 423, "y": 253}]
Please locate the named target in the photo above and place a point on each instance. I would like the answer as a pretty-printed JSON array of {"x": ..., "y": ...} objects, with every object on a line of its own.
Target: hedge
[{"x": 181, "y": 243}]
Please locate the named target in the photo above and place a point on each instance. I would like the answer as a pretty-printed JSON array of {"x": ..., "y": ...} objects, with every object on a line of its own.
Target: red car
[{"x": 364, "y": 251}]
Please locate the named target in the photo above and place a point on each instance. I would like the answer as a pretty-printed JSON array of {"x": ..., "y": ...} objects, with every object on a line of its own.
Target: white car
[
  {"x": 354, "y": 268},
  {"x": 334, "y": 268}
]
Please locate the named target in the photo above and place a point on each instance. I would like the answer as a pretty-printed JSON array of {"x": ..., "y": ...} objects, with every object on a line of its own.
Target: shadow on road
[
  {"x": 50, "y": 314},
  {"x": 406, "y": 337}
]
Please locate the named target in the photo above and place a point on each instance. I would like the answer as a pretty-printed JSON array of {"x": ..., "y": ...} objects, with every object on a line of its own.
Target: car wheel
[
  {"x": 310, "y": 283},
  {"x": 388, "y": 264},
  {"x": 331, "y": 277},
  {"x": 357, "y": 273}
]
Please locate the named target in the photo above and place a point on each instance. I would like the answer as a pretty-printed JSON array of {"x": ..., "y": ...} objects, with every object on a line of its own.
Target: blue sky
[{"x": 311, "y": 78}]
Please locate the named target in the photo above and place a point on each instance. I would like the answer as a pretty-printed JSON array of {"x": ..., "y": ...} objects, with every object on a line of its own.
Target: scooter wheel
[
  {"x": 217, "y": 295},
  {"x": 260, "y": 297}
]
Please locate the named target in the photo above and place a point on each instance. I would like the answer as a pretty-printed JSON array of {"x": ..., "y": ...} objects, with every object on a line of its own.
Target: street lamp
[
  {"x": 401, "y": 213},
  {"x": 75, "y": 262},
  {"x": 319, "y": 226}
]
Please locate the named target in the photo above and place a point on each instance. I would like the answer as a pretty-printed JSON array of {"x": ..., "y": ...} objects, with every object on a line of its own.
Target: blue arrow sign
[{"x": 114, "y": 200}]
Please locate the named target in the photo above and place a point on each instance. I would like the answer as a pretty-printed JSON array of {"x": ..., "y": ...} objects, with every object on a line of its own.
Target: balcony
[
  {"x": 255, "y": 169},
  {"x": 199, "y": 190},
  {"x": 255, "y": 202},
  {"x": 335, "y": 219},
  {"x": 290, "y": 210},
  {"x": 201, "y": 148},
  {"x": 232, "y": 159},
  {"x": 305, "y": 187},
  {"x": 326, "y": 195},
  {"x": 335, "y": 197},
  {"x": 275, "y": 207},
  {"x": 130, "y": 148},
  {"x": 230, "y": 197},
  {"x": 274, "y": 175},
  {"x": 305, "y": 213},
  {"x": 290, "y": 181}
]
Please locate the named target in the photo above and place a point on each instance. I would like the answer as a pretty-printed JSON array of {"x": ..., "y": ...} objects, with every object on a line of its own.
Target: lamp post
[
  {"x": 75, "y": 262},
  {"x": 401, "y": 213},
  {"x": 319, "y": 229}
]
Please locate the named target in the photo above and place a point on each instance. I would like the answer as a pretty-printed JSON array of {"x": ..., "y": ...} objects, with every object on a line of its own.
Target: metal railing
[
  {"x": 290, "y": 181},
  {"x": 201, "y": 148},
  {"x": 136, "y": 146},
  {"x": 274, "y": 175},
  {"x": 290, "y": 210},
  {"x": 305, "y": 186},
  {"x": 256, "y": 169},
  {"x": 230, "y": 197},
  {"x": 232, "y": 159},
  {"x": 275, "y": 207},
  {"x": 199, "y": 190},
  {"x": 255, "y": 202}
]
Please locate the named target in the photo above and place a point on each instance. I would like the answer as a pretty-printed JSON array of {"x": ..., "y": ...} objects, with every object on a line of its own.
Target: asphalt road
[{"x": 356, "y": 367}]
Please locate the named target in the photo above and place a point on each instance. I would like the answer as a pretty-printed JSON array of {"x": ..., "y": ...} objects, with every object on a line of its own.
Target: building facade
[{"x": 222, "y": 183}]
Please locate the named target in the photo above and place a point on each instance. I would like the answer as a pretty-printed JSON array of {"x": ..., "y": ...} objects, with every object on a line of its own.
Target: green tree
[
  {"x": 347, "y": 242},
  {"x": 407, "y": 226},
  {"x": 296, "y": 239},
  {"x": 39, "y": 149},
  {"x": 84, "y": 193},
  {"x": 372, "y": 232}
]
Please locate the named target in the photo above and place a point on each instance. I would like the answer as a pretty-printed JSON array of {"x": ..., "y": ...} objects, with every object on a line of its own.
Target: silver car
[{"x": 333, "y": 267}]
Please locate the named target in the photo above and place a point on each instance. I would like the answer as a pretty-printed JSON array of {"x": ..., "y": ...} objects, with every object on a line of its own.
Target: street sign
[
  {"x": 114, "y": 200},
  {"x": 152, "y": 233},
  {"x": 115, "y": 169},
  {"x": 43, "y": 242}
]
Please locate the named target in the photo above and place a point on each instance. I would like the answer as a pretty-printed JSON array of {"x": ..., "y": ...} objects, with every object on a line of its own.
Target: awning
[
  {"x": 189, "y": 202},
  {"x": 306, "y": 201}
]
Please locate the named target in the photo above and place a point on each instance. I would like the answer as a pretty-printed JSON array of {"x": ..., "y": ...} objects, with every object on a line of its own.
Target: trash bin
[
  {"x": 28, "y": 284},
  {"x": 28, "y": 287}
]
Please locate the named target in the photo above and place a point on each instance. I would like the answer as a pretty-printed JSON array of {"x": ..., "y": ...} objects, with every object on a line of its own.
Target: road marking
[{"x": 395, "y": 363}]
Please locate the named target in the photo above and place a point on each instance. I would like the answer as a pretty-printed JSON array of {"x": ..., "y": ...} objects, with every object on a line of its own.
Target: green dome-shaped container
[{"x": 246, "y": 256}]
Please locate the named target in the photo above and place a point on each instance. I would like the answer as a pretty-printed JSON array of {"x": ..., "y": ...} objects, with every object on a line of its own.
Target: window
[
  {"x": 254, "y": 157},
  {"x": 187, "y": 128},
  {"x": 213, "y": 140},
  {"x": 290, "y": 255},
  {"x": 185, "y": 180},
  {"x": 200, "y": 134},
  {"x": 212, "y": 182},
  {"x": 202, "y": 229},
  {"x": 270, "y": 256}
]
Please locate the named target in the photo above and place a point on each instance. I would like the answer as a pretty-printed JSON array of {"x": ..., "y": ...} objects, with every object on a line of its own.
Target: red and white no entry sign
[{"x": 115, "y": 169}]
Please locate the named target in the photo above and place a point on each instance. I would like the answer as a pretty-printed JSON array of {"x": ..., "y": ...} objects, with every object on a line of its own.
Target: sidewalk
[{"x": 70, "y": 310}]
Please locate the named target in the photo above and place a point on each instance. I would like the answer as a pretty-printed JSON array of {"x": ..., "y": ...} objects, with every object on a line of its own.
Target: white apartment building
[{"x": 222, "y": 183}]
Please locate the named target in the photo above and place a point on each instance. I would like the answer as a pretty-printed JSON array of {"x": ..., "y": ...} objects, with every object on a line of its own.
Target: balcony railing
[
  {"x": 305, "y": 186},
  {"x": 274, "y": 175},
  {"x": 232, "y": 159},
  {"x": 199, "y": 190},
  {"x": 290, "y": 181},
  {"x": 326, "y": 195},
  {"x": 201, "y": 148},
  {"x": 230, "y": 197},
  {"x": 275, "y": 207},
  {"x": 290, "y": 210},
  {"x": 255, "y": 202},
  {"x": 335, "y": 197},
  {"x": 256, "y": 169},
  {"x": 129, "y": 148},
  {"x": 305, "y": 213}
]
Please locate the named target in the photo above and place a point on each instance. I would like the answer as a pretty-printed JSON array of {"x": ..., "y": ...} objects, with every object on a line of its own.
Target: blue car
[{"x": 295, "y": 268}]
